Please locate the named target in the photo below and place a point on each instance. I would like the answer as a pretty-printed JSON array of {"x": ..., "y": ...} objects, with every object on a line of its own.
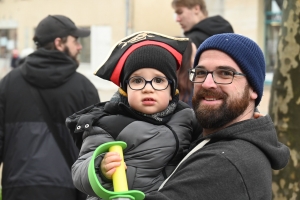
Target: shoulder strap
[
  {"x": 199, "y": 146},
  {"x": 53, "y": 129}
]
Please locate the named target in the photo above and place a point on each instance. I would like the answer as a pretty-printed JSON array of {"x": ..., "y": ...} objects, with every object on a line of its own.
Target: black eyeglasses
[
  {"x": 220, "y": 76},
  {"x": 157, "y": 83}
]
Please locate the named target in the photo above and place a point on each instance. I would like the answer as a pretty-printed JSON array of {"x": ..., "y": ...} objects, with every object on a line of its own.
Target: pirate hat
[{"x": 140, "y": 50}]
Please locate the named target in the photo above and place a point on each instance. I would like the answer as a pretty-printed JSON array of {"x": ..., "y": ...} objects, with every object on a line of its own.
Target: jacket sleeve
[
  {"x": 206, "y": 176},
  {"x": 91, "y": 140},
  {"x": 83, "y": 120}
]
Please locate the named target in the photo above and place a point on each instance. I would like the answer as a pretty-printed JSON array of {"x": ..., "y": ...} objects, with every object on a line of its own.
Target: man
[
  {"x": 234, "y": 157},
  {"x": 34, "y": 167},
  {"x": 193, "y": 18}
]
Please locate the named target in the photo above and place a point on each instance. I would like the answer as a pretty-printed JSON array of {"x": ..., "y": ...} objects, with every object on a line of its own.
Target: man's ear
[
  {"x": 59, "y": 44},
  {"x": 253, "y": 94},
  {"x": 196, "y": 8}
]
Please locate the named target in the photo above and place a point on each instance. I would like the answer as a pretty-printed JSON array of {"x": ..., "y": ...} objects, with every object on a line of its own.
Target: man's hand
[{"x": 257, "y": 115}]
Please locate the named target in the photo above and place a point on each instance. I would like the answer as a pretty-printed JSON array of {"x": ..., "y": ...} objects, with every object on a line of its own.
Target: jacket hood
[
  {"x": 261, "y": 133},
  {"x": 211, "y": 26},
  {"x": 48, "y": 68}
]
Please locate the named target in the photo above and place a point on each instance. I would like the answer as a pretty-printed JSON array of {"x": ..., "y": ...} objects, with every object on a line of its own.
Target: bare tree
[{"x": 284, "y": 106}]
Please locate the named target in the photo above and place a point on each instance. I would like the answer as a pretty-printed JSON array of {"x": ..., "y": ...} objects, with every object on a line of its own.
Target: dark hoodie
[
  {"x": 237, "y": 163},
  {"x": 34, "y": 167},
  {"x": 208, "y": 27}
]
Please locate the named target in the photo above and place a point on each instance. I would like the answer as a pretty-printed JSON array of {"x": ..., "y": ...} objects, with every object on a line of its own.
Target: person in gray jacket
[
  {"x": 145, "y": 113},
  {"x": 234, "y": 157}
]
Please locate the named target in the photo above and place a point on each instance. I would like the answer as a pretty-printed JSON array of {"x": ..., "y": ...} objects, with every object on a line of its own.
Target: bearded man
[
  {"x": 36, "y": 164},
  {"x": 235, "y": 155}
]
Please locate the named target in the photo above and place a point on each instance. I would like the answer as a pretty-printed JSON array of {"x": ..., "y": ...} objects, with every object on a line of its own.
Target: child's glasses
[{"x": 157, "y": 83}]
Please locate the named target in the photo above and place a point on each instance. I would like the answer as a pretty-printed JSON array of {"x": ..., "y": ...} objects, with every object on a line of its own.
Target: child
[{"x": 145, "y": 113}]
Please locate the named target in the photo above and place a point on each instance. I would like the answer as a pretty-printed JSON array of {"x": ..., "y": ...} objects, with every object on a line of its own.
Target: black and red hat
[{"x": 143, "y": 50}]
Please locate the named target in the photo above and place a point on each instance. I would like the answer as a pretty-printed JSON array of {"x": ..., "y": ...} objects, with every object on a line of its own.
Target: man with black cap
[
  {"x": 36, "y": 148},
  {"x": 57, "y": 32},
  {"x": 234, "y": 157}
]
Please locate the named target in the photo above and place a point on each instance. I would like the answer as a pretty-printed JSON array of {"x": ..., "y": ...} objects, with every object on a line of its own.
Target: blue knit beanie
[{"x": 245, "y": 52}]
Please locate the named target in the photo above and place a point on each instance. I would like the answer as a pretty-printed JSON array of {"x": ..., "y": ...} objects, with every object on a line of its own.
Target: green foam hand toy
[{"x": 119, "y": 177}]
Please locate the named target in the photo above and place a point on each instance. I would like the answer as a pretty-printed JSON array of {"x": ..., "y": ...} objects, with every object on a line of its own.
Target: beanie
[
  {"x": 150, "y": 56},
  {"x": 245, "y": 52}
]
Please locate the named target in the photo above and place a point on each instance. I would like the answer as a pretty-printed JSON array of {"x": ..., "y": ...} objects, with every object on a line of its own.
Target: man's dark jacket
[
  {"x": 208, "y": 27},
  {"x": 235, "y": 164},
  {"x": 33, "y": 165}
]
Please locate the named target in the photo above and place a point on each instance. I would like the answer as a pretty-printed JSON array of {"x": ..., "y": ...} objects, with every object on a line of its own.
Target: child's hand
[
  {"x": 257, "y": 115},
  {"x": 110, "y": 162}
]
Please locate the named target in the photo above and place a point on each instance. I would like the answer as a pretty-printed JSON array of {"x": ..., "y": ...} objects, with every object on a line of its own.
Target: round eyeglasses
[
  {"x": 220, "y": 76},
  {"x": 157, "y": 83}
]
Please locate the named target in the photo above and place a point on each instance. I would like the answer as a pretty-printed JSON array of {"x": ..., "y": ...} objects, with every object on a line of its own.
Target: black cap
[
  {"x": 113, "y": 67},
  {"x": 54, "y": 26}
]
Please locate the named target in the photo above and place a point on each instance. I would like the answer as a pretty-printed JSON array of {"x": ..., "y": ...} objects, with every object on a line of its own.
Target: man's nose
[
  {"x": 209, "y": 82},
  {"x": 177, "y": 18},
  {"x": 79, "y": 46}
]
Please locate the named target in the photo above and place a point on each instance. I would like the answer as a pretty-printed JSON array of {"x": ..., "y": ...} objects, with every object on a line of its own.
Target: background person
[
  {"x": 192, "y": 16},
  {"x": 33, "y": 164},
  {"x": 234, "y": 157},
  {"x": 14, "y": 58}
]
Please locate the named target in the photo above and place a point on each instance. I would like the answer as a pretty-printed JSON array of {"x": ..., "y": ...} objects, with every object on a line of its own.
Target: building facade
[{"x": 111, "y": 20}]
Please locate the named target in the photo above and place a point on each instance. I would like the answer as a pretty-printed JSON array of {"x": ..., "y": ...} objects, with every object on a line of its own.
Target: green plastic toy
[{"x": 119, "y": 177}]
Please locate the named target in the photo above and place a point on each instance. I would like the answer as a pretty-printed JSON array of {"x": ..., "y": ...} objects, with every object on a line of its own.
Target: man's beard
[
  {"x": 68, "y": 53},
  {"x": 211, "y": 117}
]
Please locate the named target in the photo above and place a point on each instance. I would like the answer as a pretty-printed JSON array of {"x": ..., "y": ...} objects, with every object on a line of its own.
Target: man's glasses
[
  {"x": 157, "y": 83},
  {"x": 220, "y": 76}
]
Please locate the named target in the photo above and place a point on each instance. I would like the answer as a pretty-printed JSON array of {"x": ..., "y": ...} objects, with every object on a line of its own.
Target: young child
[{"x": 145, "y": 113}]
